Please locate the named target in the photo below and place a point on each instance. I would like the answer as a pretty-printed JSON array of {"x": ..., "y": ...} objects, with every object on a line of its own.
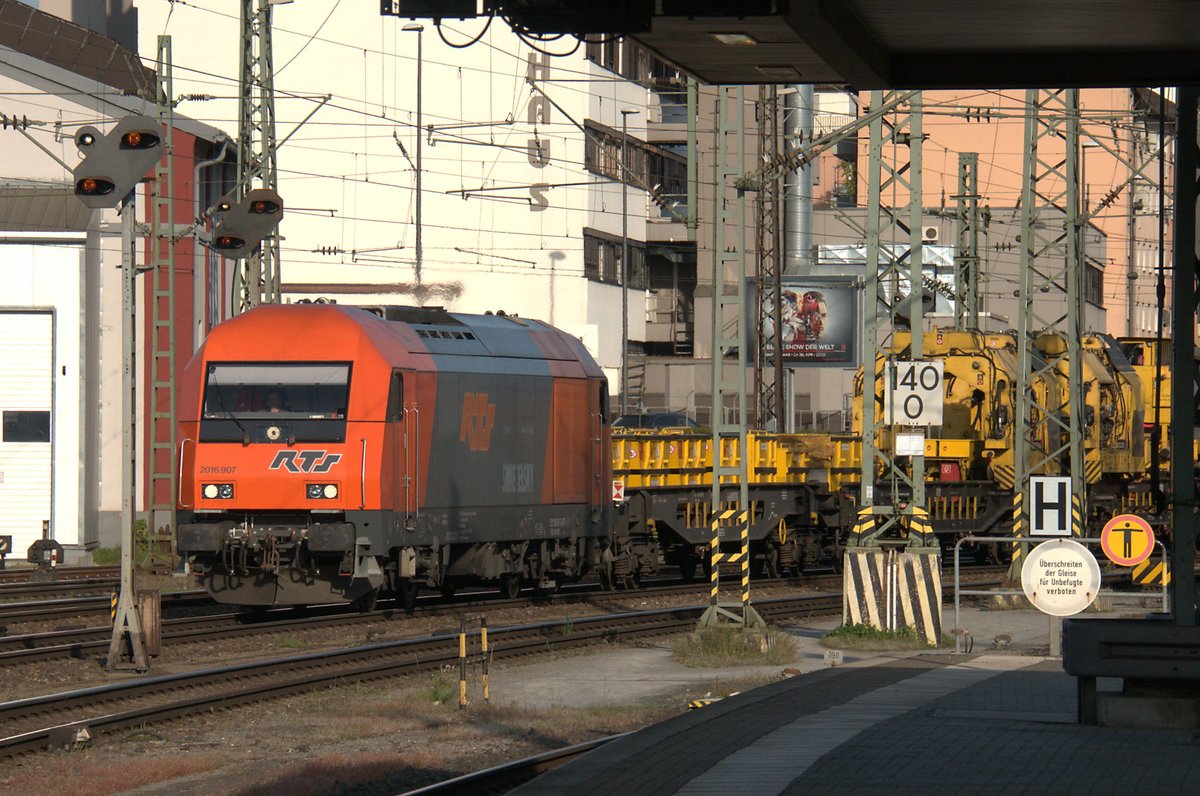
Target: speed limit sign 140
[{"x": 914, "y": 394}]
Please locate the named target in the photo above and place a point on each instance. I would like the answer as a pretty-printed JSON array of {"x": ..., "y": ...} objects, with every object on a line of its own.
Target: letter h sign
[{"x": 1049, "y": 506}]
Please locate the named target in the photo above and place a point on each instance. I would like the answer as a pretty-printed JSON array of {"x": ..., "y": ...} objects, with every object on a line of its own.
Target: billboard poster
[{"x": 820, "y": 319}]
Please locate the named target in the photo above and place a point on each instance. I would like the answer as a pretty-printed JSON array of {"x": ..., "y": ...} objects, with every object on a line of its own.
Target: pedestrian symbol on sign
[{"x": 1127, "y": 540}]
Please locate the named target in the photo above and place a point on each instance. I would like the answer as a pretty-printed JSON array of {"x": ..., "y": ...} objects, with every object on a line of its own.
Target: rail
[{"x": 34, "y": 721}]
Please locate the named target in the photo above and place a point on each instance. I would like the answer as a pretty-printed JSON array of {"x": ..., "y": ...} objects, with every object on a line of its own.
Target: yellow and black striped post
[
  {"x": 1151, "y": 573},
  {"x": 715, "y": 613},
  {"x": 920, "y": 530},
  {"x": 1019, "y": 543},
  {"x": 744, "y": 524},
  {"x": 112, "y": 607},
  {"x": 1077, "y": 516},
  {"x": 714, "y": 557},
  {"x": 483, "y": 647},
  {"x": 462, "y": 662},
  {"x": 887, "y": 590},
  {"x": 864, "y": 531}
]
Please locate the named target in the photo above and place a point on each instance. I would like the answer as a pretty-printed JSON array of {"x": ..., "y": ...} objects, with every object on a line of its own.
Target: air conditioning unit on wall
[{"x": 929, "y": 234}]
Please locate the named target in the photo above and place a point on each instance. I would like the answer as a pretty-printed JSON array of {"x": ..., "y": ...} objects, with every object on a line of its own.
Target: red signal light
[
  {"x": 262, "y": 207},
  {"x": 90, "y": 186},
  {"x": 228, "y": 242},
  {"x": 139, "y": 139}
]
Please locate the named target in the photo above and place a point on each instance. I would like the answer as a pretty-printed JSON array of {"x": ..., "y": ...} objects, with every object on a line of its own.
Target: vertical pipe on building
[
  {"x": 693, "y": 102},
  {"x": 200, "y": 254},
  {"x": 798, "y": 184},
  {"x": 624, "y": 176}
]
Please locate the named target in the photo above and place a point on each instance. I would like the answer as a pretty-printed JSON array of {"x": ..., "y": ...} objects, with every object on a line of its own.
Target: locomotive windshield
[
  {"x": 259, "y": 390},
  {"x": 254, "y": 401}
]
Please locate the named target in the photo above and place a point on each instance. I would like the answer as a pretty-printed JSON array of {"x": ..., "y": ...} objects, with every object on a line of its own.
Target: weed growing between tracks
[
  {"x": 865, "y": 638},
  {"x": 714, "y": 647}
]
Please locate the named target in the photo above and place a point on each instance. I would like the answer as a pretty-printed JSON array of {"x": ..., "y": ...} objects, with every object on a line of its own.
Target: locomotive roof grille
[{"x": 444, "y": 335}]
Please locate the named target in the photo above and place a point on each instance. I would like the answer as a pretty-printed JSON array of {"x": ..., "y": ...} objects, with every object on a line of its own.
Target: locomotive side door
[
  {"x": 601, "y": 447},
  {"x": 404, "y": 427}
]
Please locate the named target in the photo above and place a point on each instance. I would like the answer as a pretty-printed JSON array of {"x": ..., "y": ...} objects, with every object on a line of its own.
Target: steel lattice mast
[
  {"x": 893, "y": 260},
  {"x": 1049, "y": 426},
  {"x": 966, "y": 249},
  {"x": 771, "y": 406},
  {"x": 257, "y": 277}
]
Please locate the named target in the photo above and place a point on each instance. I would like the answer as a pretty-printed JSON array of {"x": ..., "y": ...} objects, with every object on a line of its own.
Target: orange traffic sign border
[{"x": 1130, "y": 525}]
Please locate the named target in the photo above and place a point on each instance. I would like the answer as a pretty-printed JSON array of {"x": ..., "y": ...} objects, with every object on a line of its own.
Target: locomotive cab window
[
  {"x": 309, "y": 398},
  {"x": 395, "y": 404}
]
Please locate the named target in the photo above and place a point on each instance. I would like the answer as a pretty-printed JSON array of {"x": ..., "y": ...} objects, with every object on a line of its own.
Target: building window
[
  {"x": 602, "y": 259},
  {"x": 27, "y": 426},
  {"x": 1093, "y": 286},
  {"x": 604, "y": 50},
  {"x": 649, "y": 164}
]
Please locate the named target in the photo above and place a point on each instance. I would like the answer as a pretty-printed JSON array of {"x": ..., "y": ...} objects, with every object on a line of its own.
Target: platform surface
[{"x": 924, "y": 724}]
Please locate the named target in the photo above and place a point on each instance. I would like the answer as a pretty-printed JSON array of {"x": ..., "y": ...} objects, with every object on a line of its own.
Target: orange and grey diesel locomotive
[{"x": 331, "y": 453}]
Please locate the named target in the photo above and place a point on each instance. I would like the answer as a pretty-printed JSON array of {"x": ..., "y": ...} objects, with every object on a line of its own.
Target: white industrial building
[{"x": 60, "y": 305}]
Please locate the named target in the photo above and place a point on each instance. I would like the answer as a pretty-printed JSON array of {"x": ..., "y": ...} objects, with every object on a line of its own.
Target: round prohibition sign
[{"x": 1127, "y": 540}]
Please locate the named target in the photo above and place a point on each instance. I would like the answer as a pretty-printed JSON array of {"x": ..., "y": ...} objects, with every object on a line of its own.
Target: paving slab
[{"x": 1000, "y": 720}]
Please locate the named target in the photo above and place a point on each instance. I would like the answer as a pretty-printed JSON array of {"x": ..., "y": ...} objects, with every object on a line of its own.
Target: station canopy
[{"x": 869, "y": 44}]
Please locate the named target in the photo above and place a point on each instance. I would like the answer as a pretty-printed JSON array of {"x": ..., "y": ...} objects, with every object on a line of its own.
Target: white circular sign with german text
[{"x": 1060, "y": 577}]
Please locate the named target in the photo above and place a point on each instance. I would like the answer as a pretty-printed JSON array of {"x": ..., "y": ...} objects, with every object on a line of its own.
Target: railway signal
[
  {"x": 115, "y": 162},
  {"x": 241, "y": 227}
]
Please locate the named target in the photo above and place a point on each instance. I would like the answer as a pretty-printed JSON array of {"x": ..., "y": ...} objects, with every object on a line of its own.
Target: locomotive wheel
[
  {"x": 605, "y": 572},
  {"x": 366, "y": 603},
  {"x": 510, "y": 585},
  {"x": 632, "y": 581},
  {"x": 407, "y": 592}
]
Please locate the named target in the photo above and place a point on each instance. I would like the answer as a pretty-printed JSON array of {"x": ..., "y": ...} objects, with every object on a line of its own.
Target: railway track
[
  {"x": 41, "y": 610},
  {"x": 38, "y": 722},
  {"x": 32, "y": 590},
  {"x": 58, "y": 574},
  {"x": 86, "y": 642},
  {"x": 81, "y": 643}
]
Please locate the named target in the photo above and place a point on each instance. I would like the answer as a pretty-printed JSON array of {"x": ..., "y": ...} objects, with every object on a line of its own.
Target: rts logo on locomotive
[
  {"x": 315, "y": 461},
  {"x": 478, "y": 417}
]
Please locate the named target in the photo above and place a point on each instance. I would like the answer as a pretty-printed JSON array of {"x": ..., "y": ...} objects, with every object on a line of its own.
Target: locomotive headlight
[
  {"x": 210, "y": 491},
  {"x": 225, "y": 491},
  {"x": 321, "y": 491}
]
